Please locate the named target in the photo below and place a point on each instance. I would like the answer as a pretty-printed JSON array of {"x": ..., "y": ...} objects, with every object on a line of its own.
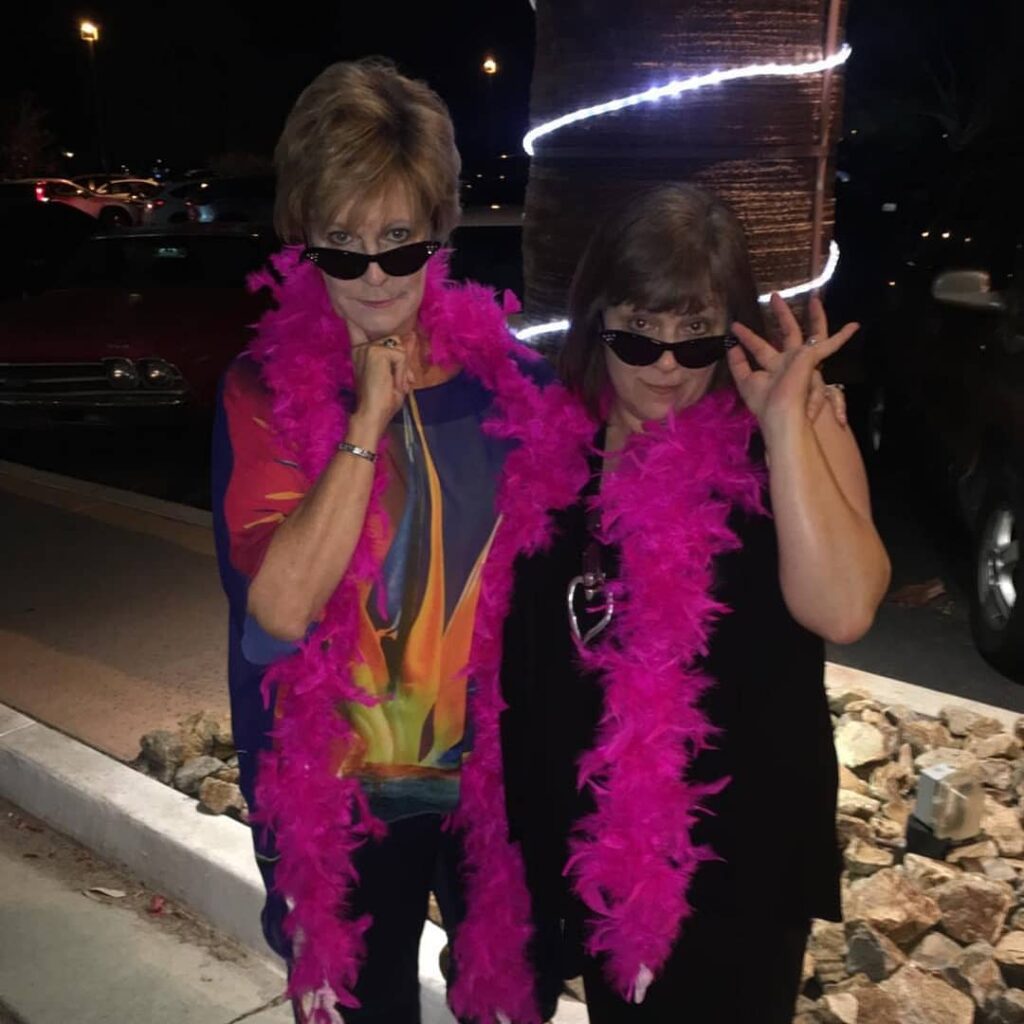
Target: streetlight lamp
[
  {"x": 490, "y": 69},
  {"x": 89, "y": 32}
]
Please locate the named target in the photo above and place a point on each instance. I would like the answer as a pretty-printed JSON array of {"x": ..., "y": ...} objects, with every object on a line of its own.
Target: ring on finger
[
  {"x": 810, "y": 342},
  {"x": 389, "y": 343}
]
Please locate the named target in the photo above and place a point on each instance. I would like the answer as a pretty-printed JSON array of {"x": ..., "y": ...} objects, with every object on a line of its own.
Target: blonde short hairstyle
[{"x": 359, "y": 129}]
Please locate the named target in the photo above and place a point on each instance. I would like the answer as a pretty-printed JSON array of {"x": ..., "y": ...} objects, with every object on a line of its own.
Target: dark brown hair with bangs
[{"x": 670, "y": 248}]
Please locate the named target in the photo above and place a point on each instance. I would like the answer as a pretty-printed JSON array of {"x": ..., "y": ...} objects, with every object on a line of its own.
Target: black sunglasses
[
  {"x": 639, "y": 350},
  {"x": 347, "y": 266}
]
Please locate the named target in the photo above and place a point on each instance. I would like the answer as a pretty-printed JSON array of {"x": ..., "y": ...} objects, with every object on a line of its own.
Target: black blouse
[{"x": 773, "y": 826}]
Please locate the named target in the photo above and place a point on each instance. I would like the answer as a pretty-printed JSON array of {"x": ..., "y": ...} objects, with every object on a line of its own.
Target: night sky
[{"x": 189, "y": 81}]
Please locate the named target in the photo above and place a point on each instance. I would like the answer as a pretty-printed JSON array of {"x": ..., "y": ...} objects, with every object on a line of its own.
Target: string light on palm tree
[{"x": 677, "y": 89}]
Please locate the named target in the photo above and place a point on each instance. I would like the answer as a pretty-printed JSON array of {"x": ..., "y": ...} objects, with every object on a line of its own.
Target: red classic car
[{"x": 140, "y": 325}]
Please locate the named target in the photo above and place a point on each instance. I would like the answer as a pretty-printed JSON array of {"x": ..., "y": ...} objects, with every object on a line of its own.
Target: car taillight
[
  {"x": 41, "y": 195},
  {"x": 157, "y": 203}
]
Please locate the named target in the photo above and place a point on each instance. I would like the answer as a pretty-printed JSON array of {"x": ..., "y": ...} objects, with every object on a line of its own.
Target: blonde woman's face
[{"x": 379, "y": 304}]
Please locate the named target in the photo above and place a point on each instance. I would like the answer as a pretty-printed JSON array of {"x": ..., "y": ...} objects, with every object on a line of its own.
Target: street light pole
[
  {"x": 490, "y": 69},
  {"x": 90, "y": 34}
]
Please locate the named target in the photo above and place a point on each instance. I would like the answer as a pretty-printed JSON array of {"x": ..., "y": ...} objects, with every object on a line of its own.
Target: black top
[{"x": 774, "y": 824}]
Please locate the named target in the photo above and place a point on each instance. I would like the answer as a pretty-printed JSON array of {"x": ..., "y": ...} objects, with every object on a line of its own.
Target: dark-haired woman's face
[{"x": 645, "y": 393}]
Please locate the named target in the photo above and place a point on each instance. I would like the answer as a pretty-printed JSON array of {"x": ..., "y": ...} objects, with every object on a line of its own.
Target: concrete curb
[
  {"x": 839, "y": 679},
  {"x": 101, "y": 492},
  {"x": 155, "y": 831}
]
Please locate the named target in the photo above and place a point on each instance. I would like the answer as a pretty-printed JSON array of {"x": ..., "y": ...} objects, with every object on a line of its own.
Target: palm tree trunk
[{"x": 765, "y": 145}]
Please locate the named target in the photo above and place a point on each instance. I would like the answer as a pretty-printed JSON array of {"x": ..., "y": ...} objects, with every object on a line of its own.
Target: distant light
[
  {"x": 501, "y": 177},
  {"x": 945, "y": 234},
  {"x": 504, "y": 156},
  {"x": 204, "y": 184},
  {"x": 925, "y": 234},
  {"x": 969, "y": 239},
  {"x": 89, "y": 31},
  {"x": 495, "y": 206},
  {"x": 843, "y": 176},
  {"x": 892, "y": 284},
  {"x": 479, "y": 175},
  {"x": 68, "y": 155},
  {"x": 889, "y": 207},
  {"x": 490, "y": 66},
  {"x": 853, "y": 131}
]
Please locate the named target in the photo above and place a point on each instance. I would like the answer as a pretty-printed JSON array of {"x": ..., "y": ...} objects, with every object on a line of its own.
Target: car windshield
[{"x": 163, "y": 262}]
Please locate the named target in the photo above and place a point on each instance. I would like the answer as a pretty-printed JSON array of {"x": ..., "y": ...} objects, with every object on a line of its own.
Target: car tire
[
  {"x": 115, "y": 217},
  {"x": 997, "y": 591}
]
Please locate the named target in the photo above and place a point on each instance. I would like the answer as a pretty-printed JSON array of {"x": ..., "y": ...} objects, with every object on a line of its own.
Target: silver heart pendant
[{"x": 589, "y": 592}]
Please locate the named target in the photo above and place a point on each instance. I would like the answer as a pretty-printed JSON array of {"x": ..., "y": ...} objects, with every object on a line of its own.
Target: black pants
[
  {"x": 713, "y": 977},
  {"x": 396, "y": 876}
]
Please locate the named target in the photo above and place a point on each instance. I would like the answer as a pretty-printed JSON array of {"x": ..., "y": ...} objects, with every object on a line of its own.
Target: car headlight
[
  {"x": 122, "y": 373},
  {"x": 157, "y": 373}
]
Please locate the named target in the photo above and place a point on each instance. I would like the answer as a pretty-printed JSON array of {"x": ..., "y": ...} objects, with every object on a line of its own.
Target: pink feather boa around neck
[{"x": 666, "y": 506}]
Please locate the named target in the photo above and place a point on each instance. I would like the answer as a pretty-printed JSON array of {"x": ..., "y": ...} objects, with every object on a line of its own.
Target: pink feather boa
[{"x": 666, "y": 505}]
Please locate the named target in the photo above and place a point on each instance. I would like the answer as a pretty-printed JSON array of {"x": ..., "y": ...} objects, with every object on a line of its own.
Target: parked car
[
  {"x": 93, "y": 181},
  {"x": 171, "y": 204},
  {"x": 116, "y": 206},
  {"x": 954, "y": 408},
  {"x": 247, "y": 200},
  {"x": 141, "y": 325}
]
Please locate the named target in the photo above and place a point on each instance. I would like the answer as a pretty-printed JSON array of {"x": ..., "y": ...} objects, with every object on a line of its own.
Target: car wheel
[
  {"x": 997, "y": 597},
  {"x": 115, "y": 217}
]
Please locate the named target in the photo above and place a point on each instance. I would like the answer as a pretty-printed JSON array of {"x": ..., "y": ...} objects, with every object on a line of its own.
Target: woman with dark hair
[{"x": 698, "y": 529}]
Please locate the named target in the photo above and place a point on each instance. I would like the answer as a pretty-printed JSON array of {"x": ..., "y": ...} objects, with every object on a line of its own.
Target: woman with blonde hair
[{"x": 358, "y": 483}]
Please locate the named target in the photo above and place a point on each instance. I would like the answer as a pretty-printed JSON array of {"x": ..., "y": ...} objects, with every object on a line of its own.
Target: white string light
[
  {"x": 809, "y": 286},
  {"x": 680, "y": 85},
  {"x": 671, "y": 90},
  {"x": 527, "y": 334}
]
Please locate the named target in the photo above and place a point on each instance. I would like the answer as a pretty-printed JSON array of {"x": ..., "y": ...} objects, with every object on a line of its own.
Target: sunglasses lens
[
  {"x": 347, "y": 266},
  {"x": 339, "y": 263},
  {"x": 637, "y": 350},
  {"x": 406, "y": 259},
  {"x": 632, "y": 349},
  {"x": 701, "y": 352}
]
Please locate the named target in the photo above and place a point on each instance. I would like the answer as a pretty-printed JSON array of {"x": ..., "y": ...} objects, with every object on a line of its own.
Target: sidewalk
[
  {"x": 112, "y": 625},
  {"x": 71, "y": 953}
]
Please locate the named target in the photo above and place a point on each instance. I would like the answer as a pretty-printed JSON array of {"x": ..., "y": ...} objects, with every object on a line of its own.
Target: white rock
[
  {"x": 863, "y": 859},
  {"x": 857, "y": 806},
  {"x": 858, "y": 743},
  {"x": 948, "y": 755},
  {"x": 973, "y": 909},
  {"x": 922, "y": 999}
]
